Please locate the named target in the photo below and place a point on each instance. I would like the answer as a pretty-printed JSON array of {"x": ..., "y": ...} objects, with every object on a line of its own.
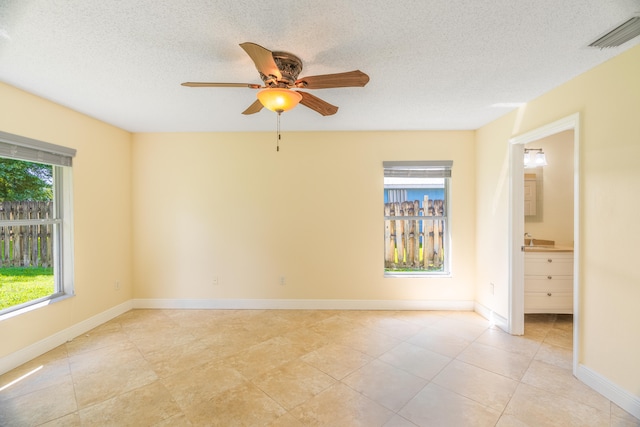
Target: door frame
[{"x": 516, "y": 223}]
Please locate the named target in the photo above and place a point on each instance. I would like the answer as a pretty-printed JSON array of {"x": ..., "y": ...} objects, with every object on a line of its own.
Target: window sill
[
  {"x": 417, "y": 275},
  {"x": 34, "y": 306}
]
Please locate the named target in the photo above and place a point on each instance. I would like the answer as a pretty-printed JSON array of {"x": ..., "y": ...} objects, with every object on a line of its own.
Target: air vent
[{"x": 619, "y": 35}]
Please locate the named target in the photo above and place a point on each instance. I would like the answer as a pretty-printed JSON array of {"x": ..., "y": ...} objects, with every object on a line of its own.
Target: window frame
[
  {"x": 422, "y": 169},
  {"x": 19, "y": 148}
]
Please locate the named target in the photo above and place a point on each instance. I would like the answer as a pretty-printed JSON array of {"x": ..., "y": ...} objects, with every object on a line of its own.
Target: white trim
[
  {"x": 494, "y": 318},
  {"x": 567, "y": 123},
  {"x": 17, "y": 358},
  {"x": 31, "y": 305},
  {"x": 516, "y": 224},
  {"x": 611, "y": 391},
  {"x": 302, "y": 304}
]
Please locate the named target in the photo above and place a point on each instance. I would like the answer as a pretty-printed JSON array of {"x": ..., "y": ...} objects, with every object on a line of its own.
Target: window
[
  {"x": 416, "y": 218},
  {"x": 36, "y": 252}
]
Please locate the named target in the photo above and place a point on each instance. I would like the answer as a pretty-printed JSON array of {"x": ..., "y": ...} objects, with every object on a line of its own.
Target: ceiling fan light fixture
[{"x": 278, "y": 99}]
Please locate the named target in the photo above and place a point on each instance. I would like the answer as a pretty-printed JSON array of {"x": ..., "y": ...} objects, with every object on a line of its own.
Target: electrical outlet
[
  {"x": 215, "y": 280},
  {"x": 116, "y": 285},
  {"x": 492, "y": 288},
  {"x": 282, "y": 281}
]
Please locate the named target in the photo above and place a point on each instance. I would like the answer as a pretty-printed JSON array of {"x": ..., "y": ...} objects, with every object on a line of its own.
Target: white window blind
[
  {"x": 418, "y": 169},
  {"x": 22, "y": 148}
]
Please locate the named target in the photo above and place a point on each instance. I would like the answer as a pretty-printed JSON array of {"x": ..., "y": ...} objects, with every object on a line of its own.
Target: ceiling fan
[{"x": 279, "y": 72}]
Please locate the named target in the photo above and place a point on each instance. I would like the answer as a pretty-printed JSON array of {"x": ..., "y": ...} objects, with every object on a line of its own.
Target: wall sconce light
[
  {"x": 538, "y": 160},
  {"x": 278, "y": 99}
]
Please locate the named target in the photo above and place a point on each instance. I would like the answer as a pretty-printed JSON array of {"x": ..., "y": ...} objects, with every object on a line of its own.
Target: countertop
[{"x": 548, "y": 249}]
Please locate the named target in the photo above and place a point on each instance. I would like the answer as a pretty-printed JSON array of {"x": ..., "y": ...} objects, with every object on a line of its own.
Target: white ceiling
[{"x": 433, "y": 64}]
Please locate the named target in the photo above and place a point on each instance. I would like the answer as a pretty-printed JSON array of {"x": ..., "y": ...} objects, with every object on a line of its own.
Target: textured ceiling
[{"x": 434, "y": 64}]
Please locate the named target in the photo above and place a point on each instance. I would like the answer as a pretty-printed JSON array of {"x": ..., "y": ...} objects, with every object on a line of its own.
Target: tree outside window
[{"x": 26, "y": 270}]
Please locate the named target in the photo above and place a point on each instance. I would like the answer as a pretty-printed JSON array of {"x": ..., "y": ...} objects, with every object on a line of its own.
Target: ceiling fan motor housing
[{"x": 290, "y": 67}]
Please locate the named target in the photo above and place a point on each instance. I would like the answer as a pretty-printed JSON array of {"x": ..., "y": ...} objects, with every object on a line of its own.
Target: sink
[{"x": 539, "y": 243}]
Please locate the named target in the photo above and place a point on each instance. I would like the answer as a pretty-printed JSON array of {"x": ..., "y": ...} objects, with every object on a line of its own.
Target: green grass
[
  {"x": 22, "y": 284},
  {"x": 415, "y": 269}
]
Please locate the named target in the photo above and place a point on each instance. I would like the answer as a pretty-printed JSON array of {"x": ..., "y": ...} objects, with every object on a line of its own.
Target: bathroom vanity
[{"x": 548, "y": 280}]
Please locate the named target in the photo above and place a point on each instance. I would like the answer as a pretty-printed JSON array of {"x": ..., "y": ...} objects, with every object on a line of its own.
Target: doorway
[{"x": 517, "y": 223}]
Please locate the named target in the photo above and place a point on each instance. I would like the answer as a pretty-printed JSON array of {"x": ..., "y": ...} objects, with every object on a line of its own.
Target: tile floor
[{"x": 307, "y": 368}]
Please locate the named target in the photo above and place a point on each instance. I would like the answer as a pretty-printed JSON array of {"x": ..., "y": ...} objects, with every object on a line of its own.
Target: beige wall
[
  {"x": 229, "y": 205},
  {"x": 492, "y": 216},
  {"x": 608, "y": 100},
  {"x": 102, "y": 213},
  {"x": 555, "y": 218}
]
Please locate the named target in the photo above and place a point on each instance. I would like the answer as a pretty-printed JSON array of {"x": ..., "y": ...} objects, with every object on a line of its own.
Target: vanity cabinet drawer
[
  {"x": 548, "y": 283},
  {"x": 550, "y": 265},
  {"x": 549, "y": 302}
]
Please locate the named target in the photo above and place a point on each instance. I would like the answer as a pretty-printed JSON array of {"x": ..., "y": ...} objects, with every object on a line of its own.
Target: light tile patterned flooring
[{"x": 307, "y": 368}]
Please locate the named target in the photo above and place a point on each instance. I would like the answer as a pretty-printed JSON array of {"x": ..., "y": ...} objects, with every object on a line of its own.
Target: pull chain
[{"x": 278, "y": 130}]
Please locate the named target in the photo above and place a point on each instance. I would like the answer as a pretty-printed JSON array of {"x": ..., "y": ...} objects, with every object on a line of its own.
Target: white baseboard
[
  {"x": 492, "y": 316},
  {"x": 302, "y": 304},
  {"x": 15, "y": 359},
  {"x": 611, "y": 391}
]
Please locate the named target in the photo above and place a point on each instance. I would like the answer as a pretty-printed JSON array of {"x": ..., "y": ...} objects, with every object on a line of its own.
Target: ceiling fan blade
[
  {"x": 253, "y": 108},
  {"x": 207, "y": 84},
  {"x": 263, "y": 58},
  {"x": 317, "y": 104},
  {"x": 354, "y": 78}
]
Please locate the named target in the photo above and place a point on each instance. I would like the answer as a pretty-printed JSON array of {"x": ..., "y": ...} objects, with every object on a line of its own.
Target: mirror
[{"x": 533, "y": 191}]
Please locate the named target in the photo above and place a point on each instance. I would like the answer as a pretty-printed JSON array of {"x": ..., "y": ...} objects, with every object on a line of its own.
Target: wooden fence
[
  {"x": 26, "y": 245},
  {"x": 414, "y": 244}
]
